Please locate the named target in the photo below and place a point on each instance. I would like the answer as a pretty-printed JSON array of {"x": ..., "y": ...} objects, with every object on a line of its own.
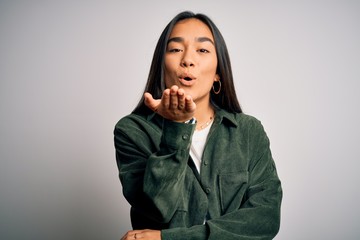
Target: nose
[{"x": 187, "y": 60}]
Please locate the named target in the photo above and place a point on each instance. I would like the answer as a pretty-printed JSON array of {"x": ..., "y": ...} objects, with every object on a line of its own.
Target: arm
[{"x": 152, "y": 172}]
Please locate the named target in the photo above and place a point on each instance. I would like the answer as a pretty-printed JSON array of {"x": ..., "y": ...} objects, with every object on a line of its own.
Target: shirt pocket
[{"x": 232, "y": 188}]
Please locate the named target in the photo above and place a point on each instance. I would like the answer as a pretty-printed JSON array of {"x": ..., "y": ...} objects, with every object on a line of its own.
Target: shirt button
[
  {"x": 185, "y": 137},
  {"x": 207, "y": 190},
  {"x": 205, "y": 163}
]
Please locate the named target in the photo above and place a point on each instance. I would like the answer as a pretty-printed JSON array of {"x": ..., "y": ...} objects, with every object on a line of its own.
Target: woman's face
[{"x": 191, "y": 60}]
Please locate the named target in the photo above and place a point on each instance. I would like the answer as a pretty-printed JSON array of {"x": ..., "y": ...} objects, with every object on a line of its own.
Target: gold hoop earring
[{"x": 217, "y": 91}]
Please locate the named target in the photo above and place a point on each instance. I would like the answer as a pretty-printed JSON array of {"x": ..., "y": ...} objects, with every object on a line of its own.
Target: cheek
[
  {"x": 169, "y": 64},
  {"x": 210, "y": 70},
  {"x": 211, "y": 64},
  {"x": 167, "y": 77},
  {"x": 170, "y": 67}
]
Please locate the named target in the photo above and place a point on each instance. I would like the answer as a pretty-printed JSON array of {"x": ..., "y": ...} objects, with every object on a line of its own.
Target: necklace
[{"x": 201, "y": 127}]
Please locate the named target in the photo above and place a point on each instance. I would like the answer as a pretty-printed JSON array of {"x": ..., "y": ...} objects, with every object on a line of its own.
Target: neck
[{"x": 204, "y": 115}]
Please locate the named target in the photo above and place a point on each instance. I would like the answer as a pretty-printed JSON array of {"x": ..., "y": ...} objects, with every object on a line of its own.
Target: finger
[
  {"x": 144, "y": 234},
  {"x": 181, "y": 99},
  {"x": 174, "y": 97},
  {"x": 190, "y": 105},
  {"x": 132, "y": 234},
  {"x": 165, "y": 99},
  {"x": 138, "y": 234}
]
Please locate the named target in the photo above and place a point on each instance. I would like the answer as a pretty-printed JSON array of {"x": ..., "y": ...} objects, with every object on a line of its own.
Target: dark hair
[{"x": 155, "y": 85}]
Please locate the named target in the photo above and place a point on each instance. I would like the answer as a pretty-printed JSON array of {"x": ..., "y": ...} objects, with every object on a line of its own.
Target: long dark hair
[{"x": 155, "y": 85}]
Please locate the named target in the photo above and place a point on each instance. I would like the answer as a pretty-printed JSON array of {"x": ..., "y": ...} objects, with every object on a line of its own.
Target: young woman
[{"x": 191, "y": 164}]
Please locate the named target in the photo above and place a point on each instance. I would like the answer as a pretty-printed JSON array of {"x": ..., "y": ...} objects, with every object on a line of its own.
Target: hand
[
  {"x": 146, "y": 234},
  {"x": 173, "y": 105}
]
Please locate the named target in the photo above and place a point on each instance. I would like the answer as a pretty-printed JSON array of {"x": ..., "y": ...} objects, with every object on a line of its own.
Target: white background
[{"x": 69, "y": 70}]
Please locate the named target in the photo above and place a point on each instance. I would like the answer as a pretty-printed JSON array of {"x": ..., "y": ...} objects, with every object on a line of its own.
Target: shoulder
[
  {"x": 239, "y": 120},
  {"x": 247, "y": 121},
  {"x": 135, "y": 124},
  {"x": 247, "y": 126},
  {"x": 250, "y": 125},
  {"x": 131, "y": 119},
  {"x": 245, "y": 118}
]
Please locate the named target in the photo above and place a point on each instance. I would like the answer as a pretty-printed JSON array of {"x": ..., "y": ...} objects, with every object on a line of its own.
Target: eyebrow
[{"x": 199, "y": 39}]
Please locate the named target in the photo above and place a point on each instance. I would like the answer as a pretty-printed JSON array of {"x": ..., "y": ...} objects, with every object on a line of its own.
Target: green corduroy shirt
[{"x": 237, "y": 194}]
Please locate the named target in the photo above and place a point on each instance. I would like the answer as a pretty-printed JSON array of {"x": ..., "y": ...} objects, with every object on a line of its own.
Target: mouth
[{"x": 186, "y": 79}]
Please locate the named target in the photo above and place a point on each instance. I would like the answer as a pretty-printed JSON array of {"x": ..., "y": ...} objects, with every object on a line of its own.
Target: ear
[{"x": 217, "y": 78}]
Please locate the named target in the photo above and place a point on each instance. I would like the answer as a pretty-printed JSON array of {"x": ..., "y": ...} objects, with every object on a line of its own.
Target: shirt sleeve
[{"x": 152, "y": 168}]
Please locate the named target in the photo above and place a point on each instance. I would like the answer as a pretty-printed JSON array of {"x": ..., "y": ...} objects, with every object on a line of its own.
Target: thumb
[{"x": 150, "y": 102}]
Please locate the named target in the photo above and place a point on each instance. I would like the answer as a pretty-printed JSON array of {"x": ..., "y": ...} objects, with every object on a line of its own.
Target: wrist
[{"x": 191, "y": 121}]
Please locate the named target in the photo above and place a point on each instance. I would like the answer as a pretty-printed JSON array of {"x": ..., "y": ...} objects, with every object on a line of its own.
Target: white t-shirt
[{"x": 198, "y": 144}]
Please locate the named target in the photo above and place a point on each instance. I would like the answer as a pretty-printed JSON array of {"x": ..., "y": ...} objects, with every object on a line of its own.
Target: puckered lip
[
  {"x": 186, "y": 76},
  {"x": 186, "y": 79}
]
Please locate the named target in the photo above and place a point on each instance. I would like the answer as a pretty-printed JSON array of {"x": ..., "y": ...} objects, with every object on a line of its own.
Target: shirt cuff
[
  {"x": 195, "y": 232},
  {"x": 177, "y": 135}
]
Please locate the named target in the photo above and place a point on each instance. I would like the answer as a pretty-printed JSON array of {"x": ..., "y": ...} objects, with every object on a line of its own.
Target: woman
[{"x": 191, "y": 164}]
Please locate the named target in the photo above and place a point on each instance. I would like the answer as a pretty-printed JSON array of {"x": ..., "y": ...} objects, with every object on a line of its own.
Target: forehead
[{"x": 191, "y": 28}]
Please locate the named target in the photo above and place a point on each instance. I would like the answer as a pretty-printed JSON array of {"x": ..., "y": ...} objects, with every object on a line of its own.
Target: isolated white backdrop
[{"x": 70, "y": 69}]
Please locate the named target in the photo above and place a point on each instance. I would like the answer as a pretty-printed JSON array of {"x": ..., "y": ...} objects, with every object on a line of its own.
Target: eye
[
  {"x": 174, "y": 50},
  {"x": 203, "y": 50}
]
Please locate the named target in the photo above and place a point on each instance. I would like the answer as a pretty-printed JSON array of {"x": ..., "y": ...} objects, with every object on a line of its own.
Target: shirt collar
[{"x": 223, "y": 116}]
